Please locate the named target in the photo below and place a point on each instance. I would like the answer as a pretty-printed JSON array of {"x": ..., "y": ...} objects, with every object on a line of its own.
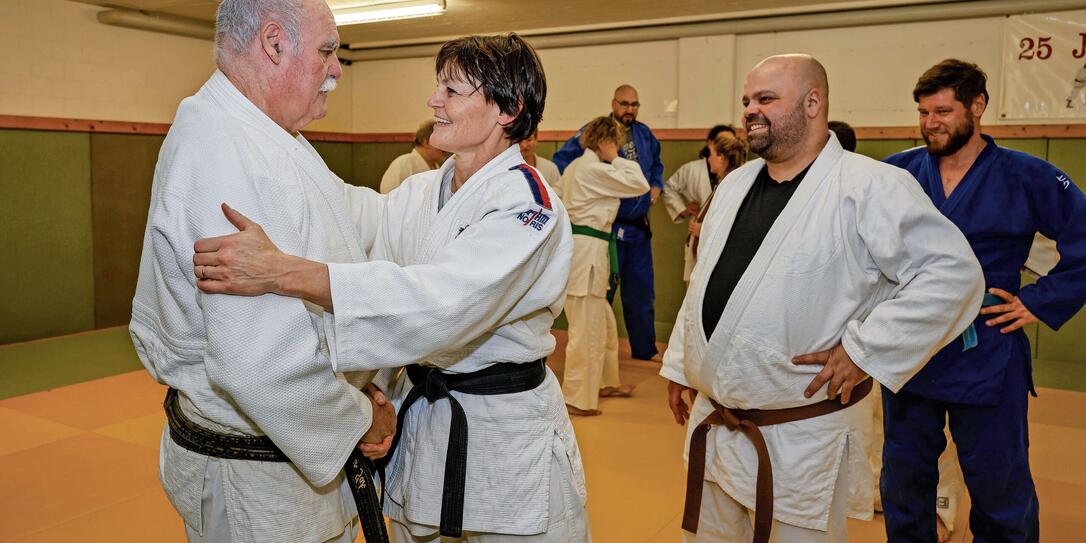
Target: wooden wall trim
[
  {"x": 1051, "y": 131},
  {"x": 81, "y": 125}
]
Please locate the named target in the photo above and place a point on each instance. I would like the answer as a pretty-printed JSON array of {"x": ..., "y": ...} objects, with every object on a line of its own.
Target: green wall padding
[
  {"x": 370, "y": 160},
  {"x": 338, "y": 156},
  {"x": 1035, "y": 147},
  {"x": 45, "y": 216},
  {"x": 122, "y": 169},
  {"x": 55, "y": 362},
  {"x": 880, "y": 149}
]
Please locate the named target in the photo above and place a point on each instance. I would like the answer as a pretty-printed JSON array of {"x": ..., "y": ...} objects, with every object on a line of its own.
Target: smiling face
[
  {"x": 773, "y": 112},
  {"x": 947, "y": 124},
  {"x": 309, "y": 75},
  {"x": 463, "y": 118}
]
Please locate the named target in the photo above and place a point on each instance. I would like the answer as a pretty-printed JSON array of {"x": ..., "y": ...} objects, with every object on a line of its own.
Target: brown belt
[{"x": 748, "y": 421}]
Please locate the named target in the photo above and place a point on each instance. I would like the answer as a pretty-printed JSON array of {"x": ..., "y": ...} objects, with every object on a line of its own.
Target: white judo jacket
[
  {"x": 477, "y": 282},
  {"x": 690, "y": 183},
  {"x": 251, "y": 365},
  {"x": 592, "y": 190},
  {"x": 401, "y": 168},
  {"x": 858, "y": 256}
]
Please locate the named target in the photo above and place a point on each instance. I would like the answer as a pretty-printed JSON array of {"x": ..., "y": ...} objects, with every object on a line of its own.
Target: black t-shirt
[{"x": 759, "y": 210}]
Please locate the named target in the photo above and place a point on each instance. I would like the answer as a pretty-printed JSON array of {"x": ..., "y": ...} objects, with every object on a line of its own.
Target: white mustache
[{"x": 329, "y": 85}]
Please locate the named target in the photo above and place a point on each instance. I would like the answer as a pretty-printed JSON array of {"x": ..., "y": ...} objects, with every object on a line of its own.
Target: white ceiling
[{"x": 529, "y": 16}]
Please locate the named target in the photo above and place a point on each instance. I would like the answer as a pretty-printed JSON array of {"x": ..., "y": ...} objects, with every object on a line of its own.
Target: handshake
[{"x": 377, "y": 440}]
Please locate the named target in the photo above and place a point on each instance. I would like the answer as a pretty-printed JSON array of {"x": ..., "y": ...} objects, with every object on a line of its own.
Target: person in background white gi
[
  {"x": 725, "y": 153},
  {"x": 260, "y": 365},
  {"x": 813, "y": 262},
  {"x": 424, "y": 157},
  {"x": 470, "y": 285},
  {"x": 546, "y": 168},
  {"x": 594, "y": 184},
  {"x": 687, "y": 190}
]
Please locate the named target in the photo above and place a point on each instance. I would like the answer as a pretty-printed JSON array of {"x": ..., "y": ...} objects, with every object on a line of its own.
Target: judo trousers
[
  {"x": 216, "y": 523},
  {"x": 592, "y": 351},
  {"x": 724, "y": 520},
  {"x": 993, "y": 450},
  {"x": 951, "y": 486},
  {"x": 636, "y": 288},
  {"x": 568, "y": 517}
]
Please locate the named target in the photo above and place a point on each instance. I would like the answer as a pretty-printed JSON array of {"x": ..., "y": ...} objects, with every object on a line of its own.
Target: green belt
[{"x": 612, "y": 254}]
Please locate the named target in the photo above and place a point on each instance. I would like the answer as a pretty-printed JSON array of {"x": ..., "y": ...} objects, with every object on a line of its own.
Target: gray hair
[{"x": 238, "y": 22}]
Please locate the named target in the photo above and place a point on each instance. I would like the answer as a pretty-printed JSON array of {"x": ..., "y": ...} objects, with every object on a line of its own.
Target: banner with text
[{"x": 1044, "y": 66}]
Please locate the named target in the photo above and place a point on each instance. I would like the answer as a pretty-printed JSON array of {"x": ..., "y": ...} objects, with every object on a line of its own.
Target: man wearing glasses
[{"x": 631, "y": 226}]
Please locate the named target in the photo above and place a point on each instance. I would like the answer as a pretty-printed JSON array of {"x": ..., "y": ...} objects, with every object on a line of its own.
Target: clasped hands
[
  {"x": 838, "y": 370},
  {"x": 377, "y": 440}
]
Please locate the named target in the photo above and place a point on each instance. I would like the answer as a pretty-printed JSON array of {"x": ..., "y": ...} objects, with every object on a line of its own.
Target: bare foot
[
  {"x": 582, "y": 412},
  {"x": 944, "y": 534},
  {"x": 622, "y": 391}
]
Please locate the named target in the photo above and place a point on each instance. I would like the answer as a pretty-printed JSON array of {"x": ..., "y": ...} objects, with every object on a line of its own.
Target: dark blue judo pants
[
  {"x": 993, "y": 449},
  {"x": 636, "y": 287}
]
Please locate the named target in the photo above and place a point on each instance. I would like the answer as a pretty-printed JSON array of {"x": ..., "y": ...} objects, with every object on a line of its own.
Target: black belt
[
  {"x": 195, "y": 438},
  {"x": 501, "y": 378}
]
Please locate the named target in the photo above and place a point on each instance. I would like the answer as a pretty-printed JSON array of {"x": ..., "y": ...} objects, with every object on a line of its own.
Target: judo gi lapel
[
  {"x": 458, "y": 213},
  {"x": 966, "y": 187},
  {"x": 222, "y": 90},
  {"x": 816, "y": 180}
]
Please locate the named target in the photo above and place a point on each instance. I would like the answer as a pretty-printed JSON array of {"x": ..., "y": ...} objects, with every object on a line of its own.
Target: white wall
[{"x": 58, "y": 61}]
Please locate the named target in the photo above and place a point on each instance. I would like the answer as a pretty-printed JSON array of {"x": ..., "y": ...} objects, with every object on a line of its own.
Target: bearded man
[
  {"x": 817, "y": 268},
  {"x": 1000, "y": 199}
]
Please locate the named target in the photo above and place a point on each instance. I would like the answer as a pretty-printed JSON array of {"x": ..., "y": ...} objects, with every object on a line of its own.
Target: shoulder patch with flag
[{"x": 539, "y": 190}]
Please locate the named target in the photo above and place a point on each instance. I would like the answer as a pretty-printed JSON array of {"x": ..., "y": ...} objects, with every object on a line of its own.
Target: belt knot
[
  {"x": 731, "y": 421},
  {"x": 437, "y": 386}
]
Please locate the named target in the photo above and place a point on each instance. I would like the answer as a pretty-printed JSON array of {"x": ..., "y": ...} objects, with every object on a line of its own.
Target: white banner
[{"x": 1044, "y": 66}]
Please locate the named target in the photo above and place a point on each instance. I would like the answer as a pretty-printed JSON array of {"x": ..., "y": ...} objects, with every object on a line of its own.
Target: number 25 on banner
[{"x": 1041, "y": 49}]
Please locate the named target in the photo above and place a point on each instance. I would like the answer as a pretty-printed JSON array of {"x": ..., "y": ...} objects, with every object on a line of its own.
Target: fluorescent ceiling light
[{"x": 370, "y": 12}]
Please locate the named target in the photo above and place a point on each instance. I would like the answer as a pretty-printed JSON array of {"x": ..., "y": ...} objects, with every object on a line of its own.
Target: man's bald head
[
  {"x": 625, "y": 104},
  {"x": 786, "y": 107},
  {"x": 803, "y": 73}
]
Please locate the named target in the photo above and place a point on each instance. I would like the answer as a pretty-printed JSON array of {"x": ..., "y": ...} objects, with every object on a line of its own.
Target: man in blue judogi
[
  {"x": 999, "y": 198},
  {"x": 631, "y": 226}
]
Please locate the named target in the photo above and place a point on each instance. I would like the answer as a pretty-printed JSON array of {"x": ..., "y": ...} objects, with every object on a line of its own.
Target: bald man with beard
[{"x": 820, "y": 274}]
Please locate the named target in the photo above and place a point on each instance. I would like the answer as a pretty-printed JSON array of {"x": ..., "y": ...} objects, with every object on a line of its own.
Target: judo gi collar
[
  {"x": 817, "y": 176},
  {"x": 221, "y": 90}
]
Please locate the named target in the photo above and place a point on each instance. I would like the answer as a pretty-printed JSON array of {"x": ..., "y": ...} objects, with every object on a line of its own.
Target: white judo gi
[
  {"x": 250, "y": 365},
  {"x": 858, "y": 256},
  {"x": 593, "y": 189},
  {"x": 461, "y": 287},
  {"x": 401, "y": 168},
  {"x": 690, "y": 183}
]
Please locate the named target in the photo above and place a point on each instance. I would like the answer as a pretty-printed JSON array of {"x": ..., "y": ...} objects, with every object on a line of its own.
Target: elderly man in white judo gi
[
  {"x": 464, "y": 293},
  {"x": 260, "y": 425},
  {"x": 422, "y": 158},
  {"x": 817, "y": 263}
]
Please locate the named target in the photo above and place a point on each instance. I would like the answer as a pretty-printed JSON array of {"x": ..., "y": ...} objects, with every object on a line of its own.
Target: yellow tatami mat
[{"x": 78, "y": 464}]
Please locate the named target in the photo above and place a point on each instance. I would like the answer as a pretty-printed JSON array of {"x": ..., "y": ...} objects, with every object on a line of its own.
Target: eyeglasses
[{"x": 628, "y": 105}]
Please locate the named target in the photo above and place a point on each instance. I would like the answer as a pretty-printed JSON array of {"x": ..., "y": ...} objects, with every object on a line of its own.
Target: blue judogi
[
  {"x": 1003, "y": 200},
  {"x": 631, "y": 228}
]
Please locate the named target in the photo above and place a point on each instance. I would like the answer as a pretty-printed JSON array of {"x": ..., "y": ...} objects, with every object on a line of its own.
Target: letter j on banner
[{"x": 1044, "y": 66}]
